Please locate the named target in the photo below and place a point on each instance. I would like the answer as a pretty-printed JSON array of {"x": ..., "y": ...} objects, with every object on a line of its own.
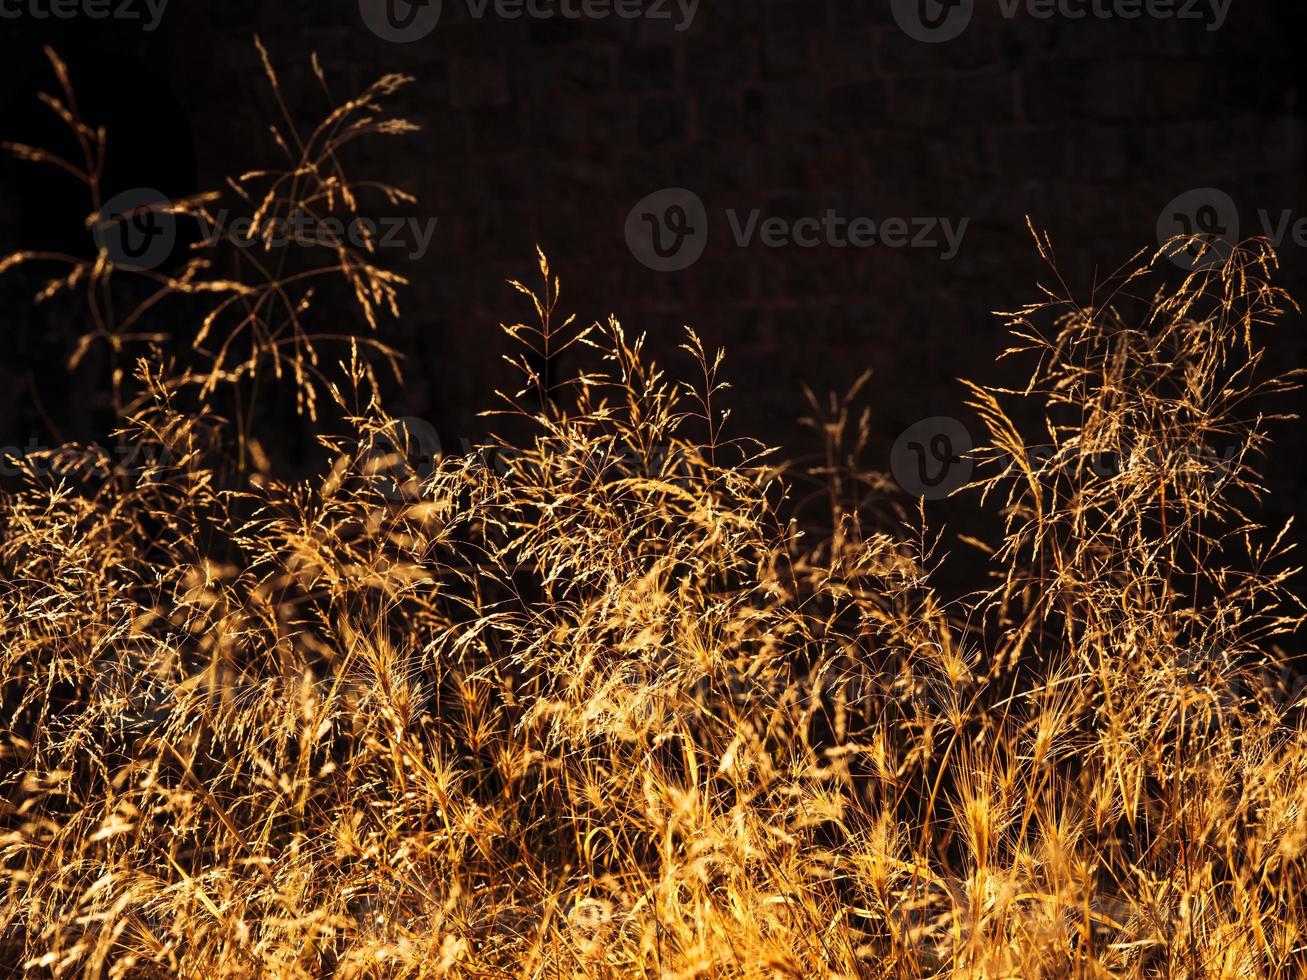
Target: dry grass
[{"x": 608, "y": 702}]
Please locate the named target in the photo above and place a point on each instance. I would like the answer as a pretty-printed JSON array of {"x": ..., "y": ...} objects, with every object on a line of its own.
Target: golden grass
[{"x": 612, "y": 703}]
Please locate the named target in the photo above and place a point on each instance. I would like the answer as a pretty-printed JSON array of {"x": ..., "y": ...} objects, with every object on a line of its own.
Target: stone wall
[{"x": 550, "y": 130}]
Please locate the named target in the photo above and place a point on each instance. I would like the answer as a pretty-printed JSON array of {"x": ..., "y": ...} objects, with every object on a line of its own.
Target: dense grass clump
[{"x": 611, "y": 696}]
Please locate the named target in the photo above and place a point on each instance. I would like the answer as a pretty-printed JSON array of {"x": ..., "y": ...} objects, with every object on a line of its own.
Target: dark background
[{"x": 550, "y": 131}]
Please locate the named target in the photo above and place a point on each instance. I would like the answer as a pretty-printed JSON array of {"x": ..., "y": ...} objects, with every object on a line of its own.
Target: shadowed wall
[{"x": 550, "y": 131}]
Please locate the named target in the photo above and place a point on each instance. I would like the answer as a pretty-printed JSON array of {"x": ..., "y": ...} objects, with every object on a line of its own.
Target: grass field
[{"x": 612, "y": 697}]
